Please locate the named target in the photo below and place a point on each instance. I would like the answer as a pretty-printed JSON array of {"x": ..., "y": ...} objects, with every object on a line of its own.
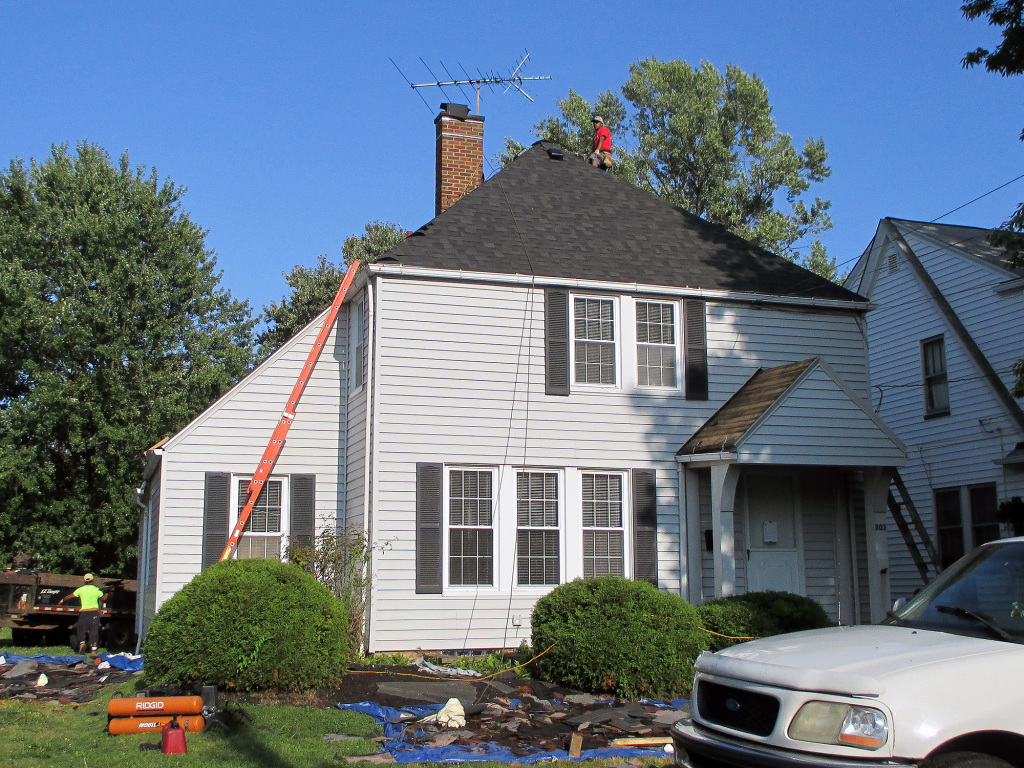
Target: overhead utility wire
[{"x": 934, "y": 221}]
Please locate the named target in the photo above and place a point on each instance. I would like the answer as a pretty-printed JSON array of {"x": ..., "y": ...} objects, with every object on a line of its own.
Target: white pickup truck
[{"x": 940, "y": 684}]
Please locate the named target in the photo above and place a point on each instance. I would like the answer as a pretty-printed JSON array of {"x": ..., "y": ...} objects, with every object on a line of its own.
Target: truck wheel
[
  {"x": 22, "y": 636},
  {"x": 966, "y": 760},
  {"x": 119, "y": 634}
]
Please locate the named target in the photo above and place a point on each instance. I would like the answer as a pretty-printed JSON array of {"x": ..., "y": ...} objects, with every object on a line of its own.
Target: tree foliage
[
  {"x": 114, "y": 332},
  {"x": 706, "y": 141},
  {"x": 1007, "y": 59},
  {"x": 313, "y": 289}
]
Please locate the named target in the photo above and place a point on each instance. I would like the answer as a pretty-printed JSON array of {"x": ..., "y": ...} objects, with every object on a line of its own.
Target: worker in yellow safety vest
[{"x": 87, "y": 630}]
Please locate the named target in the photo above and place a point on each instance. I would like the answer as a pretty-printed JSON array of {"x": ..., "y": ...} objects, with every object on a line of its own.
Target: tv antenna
[{"x": 513, "y": 79}]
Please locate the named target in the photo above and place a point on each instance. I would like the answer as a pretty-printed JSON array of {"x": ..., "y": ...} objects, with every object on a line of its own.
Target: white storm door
[{"x": 774, "y": 560}]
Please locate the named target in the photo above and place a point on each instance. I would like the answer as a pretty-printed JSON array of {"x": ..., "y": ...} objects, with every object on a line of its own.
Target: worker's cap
[
  {"x": 598, "y": 119},
  {"x": 89, "y": 577}
]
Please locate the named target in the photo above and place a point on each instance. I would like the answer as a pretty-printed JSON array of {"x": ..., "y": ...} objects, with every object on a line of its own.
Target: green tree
[
  {"x": 1007, "y": 59},
  {"x": 706, "y": 141},
  {"x": 313, "y": 289},
  {"x": 114, "y": 332}
]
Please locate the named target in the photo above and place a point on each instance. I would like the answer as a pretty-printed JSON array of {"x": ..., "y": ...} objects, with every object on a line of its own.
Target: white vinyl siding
[
  {"x": 958, "y": 450},
  {"x": 231, "y": 436},
  {"x": 459, "y": 379}
]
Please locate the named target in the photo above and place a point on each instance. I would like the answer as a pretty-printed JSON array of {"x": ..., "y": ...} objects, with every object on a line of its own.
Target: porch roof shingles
[
  {"x": 562, "y": 218},
  {"x": 723, "y": 431}
]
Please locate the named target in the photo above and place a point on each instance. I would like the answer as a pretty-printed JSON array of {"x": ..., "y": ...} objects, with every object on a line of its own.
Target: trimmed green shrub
[
  {"x": 759, "y": 614},
  {"x": 250, "y": 625},
  {"x": 612, "y": 635}
]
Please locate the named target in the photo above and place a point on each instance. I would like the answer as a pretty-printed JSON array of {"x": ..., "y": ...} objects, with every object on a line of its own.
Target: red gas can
[{"x": 172, "y": 739}]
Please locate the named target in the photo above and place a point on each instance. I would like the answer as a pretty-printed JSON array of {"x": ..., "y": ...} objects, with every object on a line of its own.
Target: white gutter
[{"x": 404, "y": 270}]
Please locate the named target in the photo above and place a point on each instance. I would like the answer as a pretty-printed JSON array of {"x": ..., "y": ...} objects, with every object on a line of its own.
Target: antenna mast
[{"x": 512, "y": 80}]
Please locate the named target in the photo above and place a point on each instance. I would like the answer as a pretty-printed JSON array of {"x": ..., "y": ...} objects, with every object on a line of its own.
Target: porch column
[
  {"x": 690, "y": 545},
  {"x": 723, "y": 497},
  {"x": 876, "y": 513}
]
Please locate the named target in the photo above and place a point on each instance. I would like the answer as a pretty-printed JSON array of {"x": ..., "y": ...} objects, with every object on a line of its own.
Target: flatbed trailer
[{"x": 29, "y": 606}]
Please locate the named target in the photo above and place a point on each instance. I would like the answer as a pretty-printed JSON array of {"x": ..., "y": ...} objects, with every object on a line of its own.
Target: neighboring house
[
  {"x": 559, "y": 376},
  {"x": 943, "y": 337}
]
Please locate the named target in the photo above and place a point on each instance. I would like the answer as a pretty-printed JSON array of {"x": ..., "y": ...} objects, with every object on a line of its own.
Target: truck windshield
[{"x": 982, "y": 594}]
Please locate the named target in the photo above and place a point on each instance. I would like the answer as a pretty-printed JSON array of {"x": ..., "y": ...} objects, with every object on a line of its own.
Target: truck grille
[{"x": 737, "y": 708}]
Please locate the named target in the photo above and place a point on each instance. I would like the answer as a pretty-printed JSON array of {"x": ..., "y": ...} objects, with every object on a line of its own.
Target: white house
[
  {"x": 531, "y": 388},
  {"x": 943, "y": 338}
]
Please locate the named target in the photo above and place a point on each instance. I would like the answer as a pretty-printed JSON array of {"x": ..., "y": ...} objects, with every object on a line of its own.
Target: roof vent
[{"x": 555, "y": 153}]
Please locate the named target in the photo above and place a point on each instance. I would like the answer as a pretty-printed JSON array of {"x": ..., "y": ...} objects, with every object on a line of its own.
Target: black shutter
[
  {"x": 645, "y": 526},
  {"x": 215, "y": 516},
  {"x": 696, "y": 351},
  {"x": 556, "y": 341},
  {"x": 303, "y": 499},
  {"x": 428, "y": 529}
]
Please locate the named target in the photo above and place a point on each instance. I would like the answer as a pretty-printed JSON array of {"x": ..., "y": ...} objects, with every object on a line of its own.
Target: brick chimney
[{"x": 460, "y": 154}]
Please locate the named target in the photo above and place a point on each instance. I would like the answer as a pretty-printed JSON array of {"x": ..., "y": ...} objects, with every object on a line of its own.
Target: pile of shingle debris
[
  {"x": 528, "y": 715},
  {"x": 29, "y": 680}
]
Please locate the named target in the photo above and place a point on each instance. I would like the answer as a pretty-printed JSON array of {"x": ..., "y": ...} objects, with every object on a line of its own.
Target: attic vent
[
  {"x": 555, "y": 153},
  {"x": 894, "y": 262}
]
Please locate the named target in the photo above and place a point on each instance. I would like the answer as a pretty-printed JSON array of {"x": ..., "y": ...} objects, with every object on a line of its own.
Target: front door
[{"x": 773, "y": 534}]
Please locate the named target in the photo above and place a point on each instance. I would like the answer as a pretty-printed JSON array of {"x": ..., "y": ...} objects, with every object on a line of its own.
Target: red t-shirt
[{"x": 602, "y": 139}]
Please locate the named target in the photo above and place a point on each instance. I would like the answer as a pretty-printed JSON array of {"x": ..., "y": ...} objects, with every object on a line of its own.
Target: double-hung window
[
  {"x": 656, "y": 344},
  {"x": 603, "y": 533},
  {"x": 263, "y": 533},
  {"x": 537, "y": 535},
  {"x": 594, "y": 340},
  {"x": 470, "y": 527},
  {"x": 936, "y": 387}
]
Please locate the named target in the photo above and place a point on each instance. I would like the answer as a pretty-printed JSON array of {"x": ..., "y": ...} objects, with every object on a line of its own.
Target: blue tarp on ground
[
  {"x": 405, "y": 752},
  {"x": 42, "y": 658},
  {"x": 126, "y": 661}
]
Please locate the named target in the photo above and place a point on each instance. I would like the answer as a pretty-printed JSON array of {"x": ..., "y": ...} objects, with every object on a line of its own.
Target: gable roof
[
  {"x": 723, "y": 431},
  {"x": 798, "y": 413},
  {"x": 551, "y": 214}
]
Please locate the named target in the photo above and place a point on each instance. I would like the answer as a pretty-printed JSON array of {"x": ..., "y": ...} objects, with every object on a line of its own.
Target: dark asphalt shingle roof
[
  {"x": 724, "y": 430},
  {"x": 567, "y": 219}
]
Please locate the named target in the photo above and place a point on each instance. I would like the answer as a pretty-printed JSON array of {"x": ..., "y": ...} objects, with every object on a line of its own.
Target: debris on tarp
[
  {"x": 66, "y": 679},
  {"x": 523, "y": 728},
  {"x": 128, "y": 661}
]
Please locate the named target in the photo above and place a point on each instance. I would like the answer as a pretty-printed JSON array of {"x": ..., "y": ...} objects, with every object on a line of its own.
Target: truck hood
[{"x": 856, "y": 661}]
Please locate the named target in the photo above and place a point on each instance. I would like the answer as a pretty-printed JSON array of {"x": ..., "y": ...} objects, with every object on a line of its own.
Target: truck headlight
[{"x": 825, "y": 722}]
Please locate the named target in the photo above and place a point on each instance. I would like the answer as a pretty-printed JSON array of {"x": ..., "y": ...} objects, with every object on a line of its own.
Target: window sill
[{"x": 935, "y": 415}]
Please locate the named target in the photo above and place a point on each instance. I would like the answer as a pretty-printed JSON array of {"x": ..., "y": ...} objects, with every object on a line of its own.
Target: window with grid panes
[
  {"x": 603, "y": 534},
  {"x": 656, "y": 344},
  {"x": 262, "y": 536},
  {"x": 936, "y": 385},
  {"x": 470, "y": 532},
  {"x": 537, "y": 537},
  {"x": 949, "y": 526},
  {"x": 984, "y": 507},
  {"x": 594, "y": 336}
]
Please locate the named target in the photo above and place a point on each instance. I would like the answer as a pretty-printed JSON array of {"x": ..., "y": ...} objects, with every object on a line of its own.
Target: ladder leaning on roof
[
  {"x": 273, "y": 450},
  {"x": 896, "y": 508}
]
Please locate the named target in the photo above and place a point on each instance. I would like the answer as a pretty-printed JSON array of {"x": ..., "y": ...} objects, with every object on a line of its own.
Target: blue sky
[{"x": 291, "y": 128}]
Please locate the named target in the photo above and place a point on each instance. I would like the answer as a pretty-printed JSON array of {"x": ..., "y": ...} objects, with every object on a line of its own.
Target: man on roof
[{"x": 601, "y": 151}]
